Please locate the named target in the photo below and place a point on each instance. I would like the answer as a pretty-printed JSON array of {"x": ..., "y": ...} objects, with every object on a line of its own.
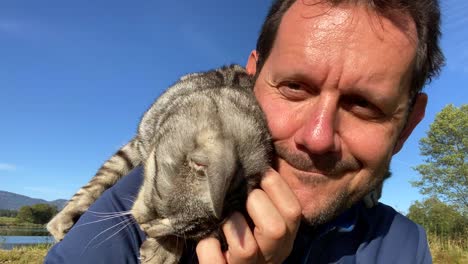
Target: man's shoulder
[
  {"x": 384, "y": 217},
  {"x": 391, "y": 237}
]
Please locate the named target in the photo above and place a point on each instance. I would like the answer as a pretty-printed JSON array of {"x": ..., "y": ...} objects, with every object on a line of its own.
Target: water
[
  {"x": 12, "y": 236},
  {"x": 8, "y": 242}
]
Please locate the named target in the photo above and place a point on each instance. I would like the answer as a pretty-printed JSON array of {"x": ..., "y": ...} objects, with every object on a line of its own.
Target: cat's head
[
  {"x": 185, "y": 188},
  {"x": 205, "y": 143}
]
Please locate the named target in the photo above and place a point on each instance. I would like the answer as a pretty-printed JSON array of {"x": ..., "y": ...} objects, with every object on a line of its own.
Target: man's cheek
[
  {"x": 279, "y": 122},
  {"x": 369, "y": 144}
]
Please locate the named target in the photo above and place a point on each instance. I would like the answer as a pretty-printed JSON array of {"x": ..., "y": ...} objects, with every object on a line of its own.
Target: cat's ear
[{"x": 251, "y": 66}]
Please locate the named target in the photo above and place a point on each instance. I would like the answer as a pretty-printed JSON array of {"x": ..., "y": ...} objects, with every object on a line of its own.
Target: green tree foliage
[
  {"x": 37, "y": 214},
  {"x": 25, "y": 214},
  {"x": 8, "y": 213},
  {"x": 43, "y": 213},
  {"x": 445, "y": 148},
  {"x": 439, "y": 218}
]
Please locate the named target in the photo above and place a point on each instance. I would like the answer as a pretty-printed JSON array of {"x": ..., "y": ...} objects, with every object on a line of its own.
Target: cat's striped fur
[{"x": 204, "y": 144}]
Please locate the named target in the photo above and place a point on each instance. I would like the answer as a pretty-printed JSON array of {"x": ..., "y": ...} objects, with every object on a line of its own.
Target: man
[{"x": 340, "y": 84}]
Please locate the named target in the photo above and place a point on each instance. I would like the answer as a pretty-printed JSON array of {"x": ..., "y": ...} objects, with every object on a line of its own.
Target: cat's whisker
[
  {"x": 132, "y": 196},
  {"x": 133, "y": 220},
  {"x": 115, "y": 215},
  {"x": 124, "y": 222},
  {"x": 107, "y": 216},
  {"x": 105, "y": 219},
  {"x": 122, "y": 228},
  {"x": 108, "y": 213},
  {"x": 129, "y": 200}
]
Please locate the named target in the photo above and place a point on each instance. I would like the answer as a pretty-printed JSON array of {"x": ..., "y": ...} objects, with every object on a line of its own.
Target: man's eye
[
  {"x": 361, "y": 102},
  {"x": 293, "y": 85},
  {"x": 361, "y": 107},
  {"x": 294, "y": 91}
]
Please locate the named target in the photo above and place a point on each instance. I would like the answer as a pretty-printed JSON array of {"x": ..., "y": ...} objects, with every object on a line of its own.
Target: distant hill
[{"x": 13, "y": 201}]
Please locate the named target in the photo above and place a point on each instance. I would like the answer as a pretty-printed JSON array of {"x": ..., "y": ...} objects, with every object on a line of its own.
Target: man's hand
[{"x": 276, "y": 214}]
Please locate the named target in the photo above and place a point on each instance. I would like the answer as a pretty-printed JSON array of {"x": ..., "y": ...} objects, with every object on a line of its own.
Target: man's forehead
[
  {"x": 324, "y": 36},
  {"x": 325, "y": 15}
]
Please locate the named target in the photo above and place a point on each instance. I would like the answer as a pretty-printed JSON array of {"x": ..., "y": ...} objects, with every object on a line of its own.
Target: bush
[
  {"x": 439, "y": 218},
  {"x": 8, "y": 213},
  {"x": 37, "y": 214}
]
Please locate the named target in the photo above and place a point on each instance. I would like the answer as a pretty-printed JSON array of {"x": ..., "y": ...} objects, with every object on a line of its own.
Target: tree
[
  {"x": 445, "y": 148},
  {"x": 37, "y": 214},
  {"x": 439, "y": 218},
  {"x": 43, "y": 213},
  {"x": 25, "y": 214},
  {"x": 8, "y": 213}
]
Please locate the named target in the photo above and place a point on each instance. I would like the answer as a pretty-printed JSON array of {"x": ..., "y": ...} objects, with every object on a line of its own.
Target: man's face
[{"x": 335, "y": 94}]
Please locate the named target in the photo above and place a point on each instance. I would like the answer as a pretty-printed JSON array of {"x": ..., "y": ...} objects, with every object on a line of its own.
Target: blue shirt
[{"x": 107, "y": 234}]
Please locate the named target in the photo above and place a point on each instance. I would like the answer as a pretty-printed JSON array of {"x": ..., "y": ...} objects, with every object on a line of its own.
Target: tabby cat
[{"x": 204, "y": 145}]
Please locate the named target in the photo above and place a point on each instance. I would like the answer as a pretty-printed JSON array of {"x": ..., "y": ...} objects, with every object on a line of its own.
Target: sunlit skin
[
  {"x": 336, "y": 101},
  {"x": 335, "y": 92}
]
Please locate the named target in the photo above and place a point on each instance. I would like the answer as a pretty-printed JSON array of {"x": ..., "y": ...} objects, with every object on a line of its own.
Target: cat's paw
[
  {"x": 161, "y": 250},
  {"x": 60, "y": 225}
]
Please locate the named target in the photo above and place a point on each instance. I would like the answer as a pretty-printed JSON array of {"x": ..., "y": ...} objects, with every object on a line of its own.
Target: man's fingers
[
  {"x": 283, "y": 198},
  {"x": 209, "y": 251},
  {"x": 242, "y": 247},
  {"x": 270, "y": 228},
  {"x": 276, "y": 213}
]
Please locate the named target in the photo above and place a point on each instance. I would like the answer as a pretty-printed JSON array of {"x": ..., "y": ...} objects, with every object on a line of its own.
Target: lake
[
  {"x": 12, "y": 236},
  {"x": 8, "y": 242}
]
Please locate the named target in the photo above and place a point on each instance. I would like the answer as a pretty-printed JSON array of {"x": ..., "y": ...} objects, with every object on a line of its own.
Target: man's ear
[
  {"x": 415, "y": 117},
  {"x": 251, "y": 66}
]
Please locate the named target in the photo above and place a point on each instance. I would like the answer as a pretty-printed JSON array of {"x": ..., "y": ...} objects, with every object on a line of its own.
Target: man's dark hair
[{"x": 425, "y": 13}]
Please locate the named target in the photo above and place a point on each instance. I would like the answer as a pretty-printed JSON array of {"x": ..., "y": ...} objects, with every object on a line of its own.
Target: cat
[{"x": 204, "y": 144}]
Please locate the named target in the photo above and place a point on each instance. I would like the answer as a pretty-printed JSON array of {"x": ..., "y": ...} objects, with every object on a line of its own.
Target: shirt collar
[
  {"x": 347, "y": 220},
  {"x": 344, "y": 223}
]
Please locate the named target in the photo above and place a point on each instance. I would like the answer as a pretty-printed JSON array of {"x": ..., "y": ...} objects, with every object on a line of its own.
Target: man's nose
[{"x": 318, "y": 131}]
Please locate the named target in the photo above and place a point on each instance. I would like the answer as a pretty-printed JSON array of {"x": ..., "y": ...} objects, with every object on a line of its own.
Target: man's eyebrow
[{"x": 308, "y": 77}]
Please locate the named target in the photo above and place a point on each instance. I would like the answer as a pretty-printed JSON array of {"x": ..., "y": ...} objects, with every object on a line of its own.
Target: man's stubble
[{"x": 333, "y": 167}]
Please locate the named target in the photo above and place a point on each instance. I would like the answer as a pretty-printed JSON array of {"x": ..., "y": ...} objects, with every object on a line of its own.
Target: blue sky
[{"x": 76, "y": 76}]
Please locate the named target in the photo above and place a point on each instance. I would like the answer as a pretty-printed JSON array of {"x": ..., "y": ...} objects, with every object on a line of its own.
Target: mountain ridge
[{"x": 14, "y": 201}]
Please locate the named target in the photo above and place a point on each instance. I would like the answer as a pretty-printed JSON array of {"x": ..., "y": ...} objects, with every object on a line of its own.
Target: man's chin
[
  {"x": 321, "y": 198},
  {"x": 325, "y": 211}
]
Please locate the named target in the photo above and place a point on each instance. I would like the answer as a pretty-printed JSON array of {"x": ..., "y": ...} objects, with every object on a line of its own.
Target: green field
[
  {"x": 443, "y": 251},
  {"x": 8, "y": 221},
  {"x": 13, "y": 221},
  {"x": 25, "y": 255},
  {"x": 452, "y": 251}
]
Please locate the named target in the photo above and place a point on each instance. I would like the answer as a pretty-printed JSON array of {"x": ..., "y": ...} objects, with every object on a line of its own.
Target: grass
[
  {"x": 30, "y": 254},
  {"x": 13, "y": 221},
  {"x": 8, "y": 220},
  {"x": 445, "y": 250},
  {"x": 33, "y": 254}
]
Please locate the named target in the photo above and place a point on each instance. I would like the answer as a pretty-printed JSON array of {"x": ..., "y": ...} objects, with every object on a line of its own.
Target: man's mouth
[{"x": 308, "y": 165}]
